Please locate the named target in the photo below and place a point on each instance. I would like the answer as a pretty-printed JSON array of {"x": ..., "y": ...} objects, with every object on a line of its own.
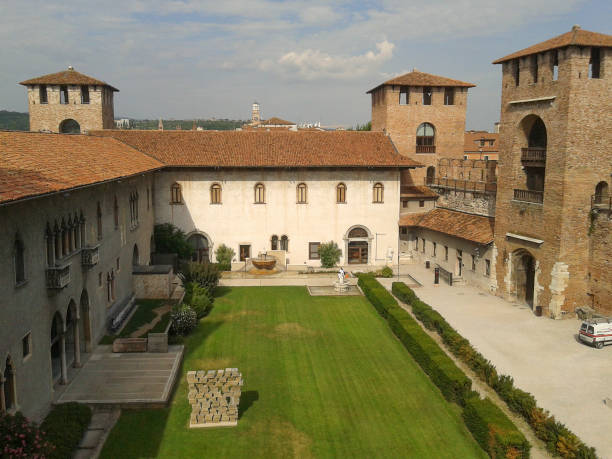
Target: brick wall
[{"x": 600, "y": 263}]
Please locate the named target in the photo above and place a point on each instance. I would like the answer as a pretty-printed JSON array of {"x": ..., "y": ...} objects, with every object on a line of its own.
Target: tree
[
  {"x": 225, "y": 255},
  {"x": 363, "y": 127},
  {"x": 170, "y": 239},
  {"x": 330, "y": 254}
]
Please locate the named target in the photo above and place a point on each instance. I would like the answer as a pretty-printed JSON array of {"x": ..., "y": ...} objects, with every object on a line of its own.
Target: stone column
[
  {"x": 2, "y": 399},
  {"x": 83, "y": 241},
  {"x": 64, "y": 378},
  {"x": 77, "y": 345},
  {"x": 51, "y": 254}
]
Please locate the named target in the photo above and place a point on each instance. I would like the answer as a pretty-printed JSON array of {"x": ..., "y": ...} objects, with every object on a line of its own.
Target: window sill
[
  {"x": 216, "y": 203},
  {"x": 259, "y": 203},
  {"x": 27, "y": 357},
  {"x": 343, "y": 202},
  {"x": 21, "y": 284},
  {"x": 378, "y": 202},
  {"x": 301, "y": 202}
]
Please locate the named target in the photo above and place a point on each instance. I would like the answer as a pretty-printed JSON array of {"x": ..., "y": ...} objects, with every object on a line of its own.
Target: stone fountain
[{"x": 264, "y": 262}]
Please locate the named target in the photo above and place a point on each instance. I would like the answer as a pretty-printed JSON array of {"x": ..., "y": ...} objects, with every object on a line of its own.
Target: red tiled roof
[
  {"x": 416, "y": 78},
  {"x": 261, "y": 148},
  {"x": 277, "y": 121},
  {"x": 475, "y": 228},
  {"x": 418, "y": 192},
  {"x": 68, "y": 77},
  {"x": 576, "y": 36},
  {"x": 33, "y": 164},
  {"x": 472, "y": 141}
]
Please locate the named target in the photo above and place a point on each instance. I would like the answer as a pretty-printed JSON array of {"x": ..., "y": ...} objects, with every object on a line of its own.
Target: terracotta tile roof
[
  {"x": 68, "y": 77},
  {"x": 416, "y": 78},
  {"x": 261, "y": 148},
  {"x": 576, "y": 36},
  {"x": 33, "y": 164},
  {"x": 472, "y": 139},
  {"x": 277, "y": 121},
  {"x": 475, "y": 228},
  {"x": 418, "y": 192}
]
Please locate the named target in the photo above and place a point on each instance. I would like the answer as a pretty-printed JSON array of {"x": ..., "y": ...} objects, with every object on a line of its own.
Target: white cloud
[{"x": 313, "y": 64}]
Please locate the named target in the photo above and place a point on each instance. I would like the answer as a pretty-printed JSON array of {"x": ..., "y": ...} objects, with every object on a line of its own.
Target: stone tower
[
  {"x": 555, "y": 136},
  {"x": 69, "y": 102},
  {"x": 255, "y": 114},
  {"x": 424, "y": 115}
]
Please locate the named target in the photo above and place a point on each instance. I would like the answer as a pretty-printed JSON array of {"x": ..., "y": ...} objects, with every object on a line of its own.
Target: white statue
[{"x": 341, "y": 274}]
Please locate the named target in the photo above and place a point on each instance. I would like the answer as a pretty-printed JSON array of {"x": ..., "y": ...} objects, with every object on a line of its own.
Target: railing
[
  {"x": 447, "y": 276},
  {"x": 58, "y": 276},
  {"x": 601, "y": 202},
  {"x": 425, "y": 148},
  {"x": 90, "y": 256},
  {"x": 461, "y": 185},
  {"x": 533, "y": 196},
  {"x": 534, "y": 154}
]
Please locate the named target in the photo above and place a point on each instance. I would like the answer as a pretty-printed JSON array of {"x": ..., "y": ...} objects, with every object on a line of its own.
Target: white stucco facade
[{"x": 238, "y": 220}]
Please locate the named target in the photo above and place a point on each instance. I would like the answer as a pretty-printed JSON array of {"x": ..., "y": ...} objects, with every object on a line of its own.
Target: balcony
[
  {"x": 532, "y": 196},
  {"x": 58, "y": 277},
  {"x": 533, "y": 156},
  {"x": 90, "y": 256},
  {"x": 601, "y": 202},
  {"x": 425, "y": 148}
]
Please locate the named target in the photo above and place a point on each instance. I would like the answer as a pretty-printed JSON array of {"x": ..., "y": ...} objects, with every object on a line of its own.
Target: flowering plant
[{"x": 21, "y": 438}]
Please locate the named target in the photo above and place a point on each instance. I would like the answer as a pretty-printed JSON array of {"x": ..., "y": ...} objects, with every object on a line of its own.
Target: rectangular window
[
  {"x": 473, "y": 263},
  {"x": 555, "y": 65},
  {"x": 26, "y": 345},
  {"x": 416, "y": 244},
  {"x": 517, "y": 72},
  {"x": 445, "y": 253},
  {"x": 421, "y": 203},
  {"x": 84, "y": 94},
  {"x": 63, "y": 94},
  {"x": 449, "y": 96},
  {"x": 404, "y": 95},
  {"x": 485, "y": 157},
  {"x": 427, "y": 95},
  {"x": 42, "y": 90},
  {"x": 99, "y": 279},
  {"x": 487, "y": 268},
  {"x": 534, "y": 68},
  {"x": 118, "y": 263},
  {"x": 313, "y": 250},
  {"x": 435, "y": 249},
  {"x": 403, "y": 230},
  {"x": 245, "y": 252},
  {"x": 595, "y": 63},
  {"x": 404, "y": 203},
  {"x": 423, "y": 248}
]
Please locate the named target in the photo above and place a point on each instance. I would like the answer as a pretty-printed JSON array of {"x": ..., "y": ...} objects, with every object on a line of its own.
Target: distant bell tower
[
  {"x": 69, "y": 102},
  {"x": 255, "y": 114}
]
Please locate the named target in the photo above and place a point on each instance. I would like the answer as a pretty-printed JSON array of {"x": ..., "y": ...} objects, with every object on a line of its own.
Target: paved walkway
[
  {"x": 109, "y": 378},
  {"x": 543, "y": 356}
]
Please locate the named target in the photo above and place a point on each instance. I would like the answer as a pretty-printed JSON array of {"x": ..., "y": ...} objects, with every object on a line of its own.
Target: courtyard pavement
[
  {"x": 567, "y": 378},
  {"x": 109, "y": 378}
]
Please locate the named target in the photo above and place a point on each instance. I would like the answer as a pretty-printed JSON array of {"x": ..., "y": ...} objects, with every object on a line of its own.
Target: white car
[{"x": 596, "y": 332}]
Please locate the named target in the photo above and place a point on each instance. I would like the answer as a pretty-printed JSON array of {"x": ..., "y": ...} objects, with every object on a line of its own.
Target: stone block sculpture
[{"x": 214, "y": 397}]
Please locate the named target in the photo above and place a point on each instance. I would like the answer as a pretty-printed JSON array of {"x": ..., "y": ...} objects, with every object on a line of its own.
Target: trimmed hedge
[
  {"x": 558, "y": 438},
  {"x": 64, "y": 427},
  {"x": 451, "y": 381},
  {"x": 492, "y": 429}
]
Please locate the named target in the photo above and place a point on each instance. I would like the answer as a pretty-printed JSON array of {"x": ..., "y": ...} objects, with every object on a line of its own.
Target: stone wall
[
  {"x": 479, "y": 203},
  {"x": 153, "y": 281},
  {"x": 600, "y": 263},
  {"x": 214, "y": 397}
]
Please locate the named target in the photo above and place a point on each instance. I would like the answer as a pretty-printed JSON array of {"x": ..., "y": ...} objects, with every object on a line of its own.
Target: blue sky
[{"x": 301, "y": 60}]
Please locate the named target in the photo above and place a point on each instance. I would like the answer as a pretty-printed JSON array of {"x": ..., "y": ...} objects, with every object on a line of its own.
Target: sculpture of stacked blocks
[{"x": 214, "y": 397}]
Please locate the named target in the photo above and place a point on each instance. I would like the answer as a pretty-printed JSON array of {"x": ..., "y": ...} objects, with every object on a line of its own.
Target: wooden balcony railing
[
  {"x": 601, "y": 202},
  {"x": 533, "y": 196},
  {"x": 534, "y": 154},
  {"x": 461, "y": 185},
  {"x": 425, "y": 148}
]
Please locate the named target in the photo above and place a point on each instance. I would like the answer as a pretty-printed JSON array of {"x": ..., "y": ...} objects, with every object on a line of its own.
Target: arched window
[
  {"x": 116, "y": 213},
  {"x": 215, "y": 194},
  {"x": 135, "y": 256},
  {"x": 176, "y": 197},
  {"x": 274, "y": 242},
  {"x": 341, "y": 193},
  {"x": 69, "y": 126},
  {"x": 425, "y": 138},
  {"x": 99, "y": 220},
  {"x": 357, "y": 233},
  {"x": 601, "y": 193},
  {"x": 302, "y": 193},
  {"x": 260, "y": 193},
  {"x": 9, "y": 387},
  {"x": 431, "y": 174},
  {"x": 19, "y": 260},
  {"x": 284, "y": 243},
  {"x": 378, "y": 193}
]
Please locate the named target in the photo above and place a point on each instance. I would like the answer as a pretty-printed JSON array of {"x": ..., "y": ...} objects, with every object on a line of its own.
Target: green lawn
[
  {"x": 324, "y": 377},
  {"x": 143, "y": 315}
]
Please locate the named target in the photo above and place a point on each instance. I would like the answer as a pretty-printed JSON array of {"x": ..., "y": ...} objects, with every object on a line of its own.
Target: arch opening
[
  {"x": 56, "y": 348},
  {"x": 524, "y": 265},
  {"x": 10, "y": 386},
  {"x": 602, "y": 193},
  {"x": 85, "y": 329},
  {"x": 358, "y": 245},
  {"x": 135, "y": 256},
  {"x": 201, "y": 248},
  {"x": 69, "y": 126}
]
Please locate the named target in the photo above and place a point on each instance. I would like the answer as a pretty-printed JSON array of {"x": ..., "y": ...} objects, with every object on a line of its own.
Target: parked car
[{"x": 596, "y": 332}]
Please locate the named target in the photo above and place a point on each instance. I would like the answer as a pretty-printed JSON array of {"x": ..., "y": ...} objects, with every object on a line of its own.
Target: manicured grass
[
  {"x": 143, "y": 315},
  {"x": 324, "y": 377}
]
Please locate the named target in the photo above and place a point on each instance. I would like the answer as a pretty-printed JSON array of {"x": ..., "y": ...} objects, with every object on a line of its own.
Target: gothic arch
[{"x": 85, "y": 328}]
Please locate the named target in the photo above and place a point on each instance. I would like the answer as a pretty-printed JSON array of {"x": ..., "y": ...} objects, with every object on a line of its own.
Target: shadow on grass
[
  {"x": 246, "y": 400},
  {"x": 222, "y": 291}
]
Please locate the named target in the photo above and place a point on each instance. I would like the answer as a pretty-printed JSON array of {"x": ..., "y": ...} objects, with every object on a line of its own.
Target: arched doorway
[
  {"x": 524, "y": 265},
  {"x": 135, "y": 256},
  {"x": 85, "y": 330},
  {"x": 58, "y": 359},
  {"x": 358, "y": 245},
  {"x": 69, "y": 126},
  {"x": 601, "y": 193},
  {"x": 431, "y": 174},
  {"x": 200, "y": 246},
  {"x": 8, "y": 395},
  {"x": 73, "y": 351},
  {"x": 534, "y": 156}
]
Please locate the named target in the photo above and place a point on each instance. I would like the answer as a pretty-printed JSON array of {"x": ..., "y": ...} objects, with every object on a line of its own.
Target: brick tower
[
  {"x": 424, "y": 115},
  {"x": 555, "y": 155},
  {"x": 69, "y": 102}
]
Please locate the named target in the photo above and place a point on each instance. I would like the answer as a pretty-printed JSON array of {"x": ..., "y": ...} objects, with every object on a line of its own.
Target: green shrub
[
  {"x": 330, "y": 254},
  {"x": 170, "y": 239},
  {"x": 21, "y": 438},
  {"x": 224, "y": 256},
  {"x": 493, "y": 430},
  {"x": 386, "y": 272},
  {"x": 204, "y": 274},
  {"x": 184, "y": 320},
  {"x": 201, "y": 304},
  {"x": 65, "y": 425}
]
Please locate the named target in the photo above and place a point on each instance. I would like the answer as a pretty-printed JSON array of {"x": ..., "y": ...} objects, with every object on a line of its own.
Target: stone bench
[{"x": 125, "y": 345}]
